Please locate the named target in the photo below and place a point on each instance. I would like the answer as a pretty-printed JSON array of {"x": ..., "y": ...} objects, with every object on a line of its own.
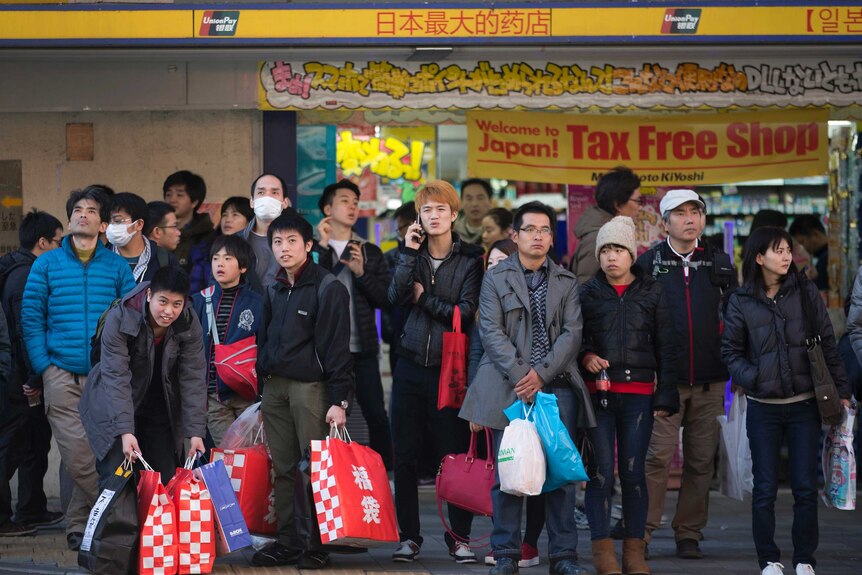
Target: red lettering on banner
[
  {"x": 601, "y": 145},
  {"x": 656, "y": 144},
  {"x": 756, "y": 140}
]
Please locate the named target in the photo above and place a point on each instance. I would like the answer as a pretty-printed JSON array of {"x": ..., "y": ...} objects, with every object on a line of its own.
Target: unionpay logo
[
  {"x": 680, "y": 21},
  {"x": 219, "y": 23}
]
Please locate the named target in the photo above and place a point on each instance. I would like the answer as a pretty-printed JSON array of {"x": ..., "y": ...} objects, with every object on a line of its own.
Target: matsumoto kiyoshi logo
[
  {"x": 219, "y": 23},
  {"x": 680, "y": 21}
]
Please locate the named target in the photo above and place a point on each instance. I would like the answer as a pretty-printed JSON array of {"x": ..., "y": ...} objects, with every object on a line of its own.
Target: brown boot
[
  {"x": 605, "y": 558},
  {"x": 634, "y": 562}
]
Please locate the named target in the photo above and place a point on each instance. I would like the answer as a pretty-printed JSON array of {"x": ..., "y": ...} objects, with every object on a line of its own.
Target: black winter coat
[
  {"x": 695, "y": 306},
  {"x": 14, "y": 269},
  {"x": 457, "y": 281},
  {"x": 634, "y": 333},
  {"x": 370, "y": 291},
  {"x": 764, "y": 341},
  {"x": 304, "y": 333}
]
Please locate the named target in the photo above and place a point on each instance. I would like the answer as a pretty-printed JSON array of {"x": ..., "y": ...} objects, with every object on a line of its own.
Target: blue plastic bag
[{"x": 561, "y": 456}]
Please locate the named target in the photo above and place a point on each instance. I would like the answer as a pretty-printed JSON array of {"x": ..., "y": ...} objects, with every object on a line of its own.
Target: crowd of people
[{"x": 112, "y": 323}]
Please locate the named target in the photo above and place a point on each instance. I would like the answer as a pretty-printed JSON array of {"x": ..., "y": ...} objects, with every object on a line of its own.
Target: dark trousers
[
  {"x": 559, "y": 503},
  {"x": 535, "y": 519},
  {"x": 414, "y": 409},
  {"x": 157, "y": 448},
  {"x": 25, "y": 439},
  {"x": 369, "y": 394},
  {"x": 626, "y": 423},
  {"x": 768, "y": 425}
]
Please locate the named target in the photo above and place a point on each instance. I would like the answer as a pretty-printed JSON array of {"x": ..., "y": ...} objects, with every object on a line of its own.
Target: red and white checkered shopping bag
[
  {"x": 352, "y": 497},
  {"x": 250, "y": 472},
  {"x": 158, "y": 541},
  {"x": 194, "y": 512}
]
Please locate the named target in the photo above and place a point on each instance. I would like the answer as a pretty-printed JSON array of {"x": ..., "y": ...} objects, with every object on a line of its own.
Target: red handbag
[
  {"x": 452, "y": 386},
  {"x": 466, "y": 482},
  {"x": 234, "y": 362}
]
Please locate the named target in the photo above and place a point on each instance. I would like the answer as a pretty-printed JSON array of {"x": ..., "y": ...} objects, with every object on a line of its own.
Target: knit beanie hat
[{"x": 619, "y": 231}]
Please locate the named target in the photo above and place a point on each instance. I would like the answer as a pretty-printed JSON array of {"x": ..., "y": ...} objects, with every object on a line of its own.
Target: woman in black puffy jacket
[
  {"x": 628, "y": 332},
  {"x": 764, "y": 348}
]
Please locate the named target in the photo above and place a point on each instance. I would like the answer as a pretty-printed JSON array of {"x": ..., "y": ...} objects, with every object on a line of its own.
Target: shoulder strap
[
  {"x": 812, "y": 337},
  {"x": 163, "y": 256},
  {"x": 208, "y": 295},
  {"x": 656, "y": 261}
]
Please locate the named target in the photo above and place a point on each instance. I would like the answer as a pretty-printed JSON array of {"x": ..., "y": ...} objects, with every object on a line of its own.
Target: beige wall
[{"x": 134, "y": 152}]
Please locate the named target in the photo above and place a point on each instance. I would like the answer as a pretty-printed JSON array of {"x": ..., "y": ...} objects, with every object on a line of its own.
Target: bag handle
[
  {"x": 489, "y": 443},
  {"x": 812, "y": 337},
  {"x": 143, "y": 461},
  {"x": 456, "y": 319},
  {"x": 336, "y": 432}
]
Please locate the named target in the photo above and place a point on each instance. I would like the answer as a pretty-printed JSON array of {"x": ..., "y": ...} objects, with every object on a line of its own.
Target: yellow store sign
[{"x": 663, "y": 150}]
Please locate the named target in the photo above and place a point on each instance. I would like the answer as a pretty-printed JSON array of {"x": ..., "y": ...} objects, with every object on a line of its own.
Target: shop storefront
[{"x": 752, "y": 106}]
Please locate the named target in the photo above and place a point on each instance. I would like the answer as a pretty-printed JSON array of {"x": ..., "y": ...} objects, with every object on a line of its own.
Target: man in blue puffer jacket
[{"x": 67, "y": 291}]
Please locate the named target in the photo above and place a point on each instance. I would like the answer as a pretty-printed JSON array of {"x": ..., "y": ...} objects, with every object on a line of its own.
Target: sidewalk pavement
[{"x": 728, "y": 547}]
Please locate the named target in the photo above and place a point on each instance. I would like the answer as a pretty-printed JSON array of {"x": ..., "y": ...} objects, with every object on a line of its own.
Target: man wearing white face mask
[
  {"x": 268, "y": 200},
  {"x": 125, "y": 236}
]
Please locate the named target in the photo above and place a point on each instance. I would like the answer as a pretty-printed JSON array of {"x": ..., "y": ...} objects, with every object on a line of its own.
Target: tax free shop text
[{"x": 650, "y": 142}]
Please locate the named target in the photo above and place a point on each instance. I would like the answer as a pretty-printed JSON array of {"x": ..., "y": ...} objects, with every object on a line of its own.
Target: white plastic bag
[
  {"x": 735, "y": 469},
  {"x": 839, "y": 464},
  {"x": 246, "y": 430},
  {"x": 521, "y": 460}
]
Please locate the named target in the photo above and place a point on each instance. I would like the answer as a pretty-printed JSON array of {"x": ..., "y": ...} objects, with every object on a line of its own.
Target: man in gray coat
[{"x": 530, "y": 321}]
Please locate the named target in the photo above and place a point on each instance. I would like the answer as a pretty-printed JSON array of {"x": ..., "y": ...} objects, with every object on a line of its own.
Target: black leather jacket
[
  {"x": 634, "y": 333},
  {"x": 456, "y": 282}
]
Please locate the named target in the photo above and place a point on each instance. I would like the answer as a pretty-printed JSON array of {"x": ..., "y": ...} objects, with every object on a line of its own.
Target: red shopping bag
[
  {"x": 158, "y": 539},
  {"x": 452, "y": 386},
  {"x": 351, "y": 492},
  {"x": 194, "y": 519},
  {"x": 250, "y": 472}
]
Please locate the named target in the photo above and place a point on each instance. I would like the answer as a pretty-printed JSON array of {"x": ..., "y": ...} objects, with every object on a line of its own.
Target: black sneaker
[
  {"x": 566, "y": 567},
  {"x": 313, "y": 560},
  {"x": 46, "y": 519},
  {"x": 504, "y": 566},
  {"x": 73, "y": 540},
  {"x": 12, "y": 529},
  {"x": 688, "y": 549},
  {"x": 276, "y": 554}
]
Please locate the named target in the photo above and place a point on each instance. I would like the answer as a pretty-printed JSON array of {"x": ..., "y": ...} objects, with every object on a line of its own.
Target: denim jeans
[
  {"x": 414, "y": 410},
  {"x": 768, "y": 425},
  {"x": 559, "y": 504},
  {"x": 628, "y": 420}
]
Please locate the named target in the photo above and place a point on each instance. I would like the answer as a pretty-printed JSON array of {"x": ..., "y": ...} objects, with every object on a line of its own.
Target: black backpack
[{"x": 96, "y": 340}]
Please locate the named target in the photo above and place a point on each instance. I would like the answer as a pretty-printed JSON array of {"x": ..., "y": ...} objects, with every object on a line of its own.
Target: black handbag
[
  {"x": 825, "y": 390},
  {"x": 110, "y": 544}
]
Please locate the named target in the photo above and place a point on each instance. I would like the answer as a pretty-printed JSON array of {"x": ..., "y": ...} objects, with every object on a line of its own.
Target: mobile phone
[
  {"x": 421, "y": 233},
  {"x": 354, "y": 242}
]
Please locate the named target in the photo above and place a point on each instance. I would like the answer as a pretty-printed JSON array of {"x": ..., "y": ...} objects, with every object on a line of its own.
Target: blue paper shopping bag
[
  {"x": 562, "y": 457},
  {"x": 233, "y": 532}
]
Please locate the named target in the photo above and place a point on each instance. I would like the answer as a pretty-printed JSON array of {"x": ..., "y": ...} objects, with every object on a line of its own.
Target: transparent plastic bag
[
  {"x": 521, "y": 460},
  {"x": 735, "y": 466},
  {"x": 246, "y": 431}
]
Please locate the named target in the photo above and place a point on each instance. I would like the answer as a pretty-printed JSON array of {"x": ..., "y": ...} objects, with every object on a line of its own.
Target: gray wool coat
[{"x": 506, "y": 330}]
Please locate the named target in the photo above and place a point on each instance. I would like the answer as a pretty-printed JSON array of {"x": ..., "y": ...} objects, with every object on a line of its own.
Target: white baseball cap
[{"x": 675, "y": 198}]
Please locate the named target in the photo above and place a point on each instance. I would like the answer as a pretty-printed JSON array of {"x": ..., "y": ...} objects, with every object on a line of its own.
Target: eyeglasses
[
  {"x": 58, "y": 241},
  {"x": 533, "y": 230},
  {"x": 118, "y": 221},
  {"x": 166, "y": 227},
  {"x": 639, "y": 200}
]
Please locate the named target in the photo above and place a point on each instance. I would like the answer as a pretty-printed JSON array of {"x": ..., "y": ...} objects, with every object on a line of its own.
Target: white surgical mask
[
  {"x": 118, "y": 234},
  {"x": 267, "y": 208}
]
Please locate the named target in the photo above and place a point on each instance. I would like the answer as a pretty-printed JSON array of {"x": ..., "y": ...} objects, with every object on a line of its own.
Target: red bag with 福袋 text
[
  {"x": 158, "y": 539},
  {"x": 352, "y": 496},
  {"x": 194, "y": 520},
  {"x": 452, "y": 386},
  {"x": 250, "y": 472}
]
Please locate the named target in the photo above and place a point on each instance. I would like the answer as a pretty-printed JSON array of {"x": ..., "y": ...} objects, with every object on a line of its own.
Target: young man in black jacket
[
  {"x": 304, "y": 369},
  {"x": 360, "y": 266},
  {"x": 695, "y": 277},
  {"x": 436, "y": 271},
  {"x": 25, "y": 435}
]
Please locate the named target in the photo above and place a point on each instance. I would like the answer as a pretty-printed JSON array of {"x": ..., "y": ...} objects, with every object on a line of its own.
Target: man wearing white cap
[{"x": 695, "y": 276}]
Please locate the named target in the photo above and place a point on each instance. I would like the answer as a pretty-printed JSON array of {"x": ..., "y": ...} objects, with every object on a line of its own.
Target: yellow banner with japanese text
[{"x": 689, "y": 149}]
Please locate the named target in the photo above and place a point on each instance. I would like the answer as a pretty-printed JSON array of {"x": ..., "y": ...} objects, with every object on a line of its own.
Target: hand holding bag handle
[{"x": 825, "y": 390}]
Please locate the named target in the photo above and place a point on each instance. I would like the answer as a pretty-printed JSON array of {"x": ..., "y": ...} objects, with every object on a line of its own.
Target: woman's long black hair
[{"x": 759, "y": 242}]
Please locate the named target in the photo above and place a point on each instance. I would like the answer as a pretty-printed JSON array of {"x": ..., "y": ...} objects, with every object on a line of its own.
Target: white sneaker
[
  {"x": 407, "y": 552},
  {"x": 461, "y": 553},
  {"x": 773, "y": 569},
  {"x": 804, "y": 569}
]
